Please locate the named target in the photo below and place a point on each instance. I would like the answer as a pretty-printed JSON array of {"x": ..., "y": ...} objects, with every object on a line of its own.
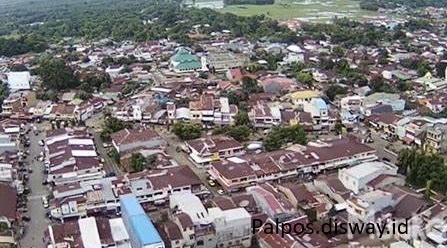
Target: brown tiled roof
[
  {"x": 105, "y": 233},
  {"x": 213, "y": 143},
  {"x": 224, "y": 203},
  {"x": 185, "y": 220},
  {"x": 409, "y": 206},
  {"x": 128, "y": 136},
  {"x": 63, "y": 109},
  {"x": 301, "y": 193},
  {"x": 8, "y": 197},
  {"x": 387, "y": 118},
  {"x": 237, "y": 199},
  {"x": 180, "y": 176},
  {"x": 172, "y": 231},
  {"x": 276, "y": 240},
  {"x": 67, "y": 187},
  {"x": 68, "y": 230}
]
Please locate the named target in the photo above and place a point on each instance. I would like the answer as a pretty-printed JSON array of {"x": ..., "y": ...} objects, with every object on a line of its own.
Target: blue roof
[
  {"x": 144, "y": 230},
  {"x": 139, "y": 221},
  {"x": 131, "y": 205},
  {"x": 321, "y": 103}
]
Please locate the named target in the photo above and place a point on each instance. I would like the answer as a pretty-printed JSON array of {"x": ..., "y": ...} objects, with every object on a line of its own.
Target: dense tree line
[
  {"x": 348, "y": 33},
  {"x": 22, "y": 44},
  {"x": 56, "y": 75},
  {"x": 256, "y": 2},
  {"x": 281, "y": 136},
  {"x": 187, "y": 131},
  {"x": 423, "y": 169},
  {"x": 390, "y": 4},
  {"x": 138, "y": 20}
]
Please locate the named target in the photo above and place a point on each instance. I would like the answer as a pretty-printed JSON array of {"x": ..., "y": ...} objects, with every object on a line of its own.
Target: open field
[{"x": 306, "y": 10}]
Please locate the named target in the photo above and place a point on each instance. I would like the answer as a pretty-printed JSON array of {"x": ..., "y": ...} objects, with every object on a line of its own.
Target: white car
[
  {"x": 45, "y": 202},
  {"x": 220, "y": 192}
]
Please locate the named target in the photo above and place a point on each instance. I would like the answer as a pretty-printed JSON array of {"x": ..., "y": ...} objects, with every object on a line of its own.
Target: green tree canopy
[
  {"x": 280, "y": 136},
  {"x": 56, "y": 75},
  {"x": 421, "y": 167},
  {"x": 186, "y": 131}
]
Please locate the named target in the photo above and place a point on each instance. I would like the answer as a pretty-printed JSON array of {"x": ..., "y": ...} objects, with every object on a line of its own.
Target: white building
[
  {"x": 19, "y": 80},
  {"x": 364, "y": 207},
  {"x": 319, "y": 111},
  {"x": 231, "y": 227},
  {"x": 356, "y": 178}
]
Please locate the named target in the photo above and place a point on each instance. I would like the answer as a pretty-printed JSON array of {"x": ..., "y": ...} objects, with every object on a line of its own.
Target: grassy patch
[{"x": 307, "y": 10}]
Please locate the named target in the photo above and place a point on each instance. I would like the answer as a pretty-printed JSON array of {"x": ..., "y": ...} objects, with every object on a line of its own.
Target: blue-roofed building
[
  {"x": 321, "y": 118},
  {"x": 142, "y": 231}
]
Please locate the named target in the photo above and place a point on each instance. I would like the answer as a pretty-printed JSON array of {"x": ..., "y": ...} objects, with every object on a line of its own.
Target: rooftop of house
[
  {"x": 213, "y": 144},
  {"x": 128, "y": 136}
]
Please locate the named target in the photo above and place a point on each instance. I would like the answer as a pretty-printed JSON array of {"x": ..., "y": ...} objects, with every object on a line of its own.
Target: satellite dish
[{"x": 244, "y": 203}]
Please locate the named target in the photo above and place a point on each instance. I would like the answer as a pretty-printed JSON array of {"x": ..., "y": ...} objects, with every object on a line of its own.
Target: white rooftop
[
  {"x": 19, "y": 80},
  {"x": 81, "y": 142},
  {"x": 191, "y": 205},
  {"x": 365, "y": 169},
  {"x": 119, "y": 232},
  {"x": 89, "y": 233}
]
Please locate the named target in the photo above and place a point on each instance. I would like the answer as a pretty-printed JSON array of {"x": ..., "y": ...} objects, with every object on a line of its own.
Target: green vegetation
[
  {"x": 139, "y": 163},
  {"x": 335, "y": 90},
  {"x": 280, "y": 136},
  {"x": 186, "y": 131},
  {"x": 391, "y": 4},
  {"x": 23, "y": 23},
  {"x": 250, "y": 86},
  {"x": 242, "y": 119},
  {"x": 421, "y": 66},
  {"x": 95, "y": 81},
  {"x": 23, "y": 44},
  {"x": 4, "y": 91},
  {"x": 348, "y": 33},
  {"x": 305, "y": 78},
  {"x": 239, "y": 133},
  {"x": 56, "y": 75},
  {"x": 112, "y": 125},
  {"x": 423, "y": 169}
]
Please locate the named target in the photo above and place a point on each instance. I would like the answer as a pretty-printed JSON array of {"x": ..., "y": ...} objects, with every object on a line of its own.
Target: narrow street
[
  {"x": 33, "y": 237},
  {"x": 182, "y": 158},
  {"x": 110, "y": 164}
]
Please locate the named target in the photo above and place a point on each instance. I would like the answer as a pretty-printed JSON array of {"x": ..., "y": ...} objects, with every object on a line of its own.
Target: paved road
[
  {"x": 379, "y": 144},
  {"x": 182, "y": 158},
  {"x": 94, "y": 124},
  {"x": 34, "y": 232},
  {"x": 109, "y": 164}
]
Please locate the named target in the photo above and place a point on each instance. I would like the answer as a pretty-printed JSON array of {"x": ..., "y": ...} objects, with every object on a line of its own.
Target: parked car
[
  {"x": 26, "y": 218},
  {"x": 212, "y": 183},
  {"x": 45, "y": 202}
]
